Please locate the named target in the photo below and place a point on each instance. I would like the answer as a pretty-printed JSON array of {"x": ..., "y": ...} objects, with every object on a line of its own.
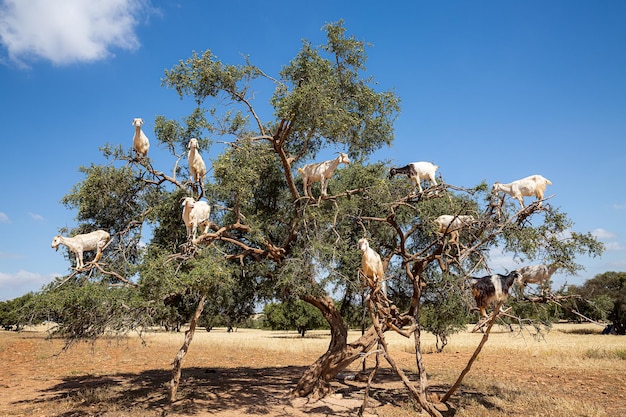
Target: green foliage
[
  {"x": 203, "y": 76},
  {"x": 231, "y": 302},
  {"x": 331, "y": 101},
  {"x": 354, "y": 311},
  {"x": 551, "y": 240},
  {"x": 176, "y": 285},
  {"x": 91, "y": 309},
  {"x": 13, "y": 312},
  {"x": 442, "y": 312},
  {"x": 248, "y": 177},
  {"x": 169, "y": 231},
  {"x": 108, "y": 198},
  {"x": 293, "y": 315},
  {"x": 607, "y": 298},
  {"x": 115, "y": 200}
]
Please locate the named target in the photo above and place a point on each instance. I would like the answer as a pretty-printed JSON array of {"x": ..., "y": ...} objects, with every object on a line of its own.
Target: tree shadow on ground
[
  {"x": 242, "y": 391},
  {"x": 249, "y": 390}
]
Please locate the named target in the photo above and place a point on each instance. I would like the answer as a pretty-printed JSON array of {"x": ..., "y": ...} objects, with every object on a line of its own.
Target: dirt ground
[{"x": 253, "y": 377}]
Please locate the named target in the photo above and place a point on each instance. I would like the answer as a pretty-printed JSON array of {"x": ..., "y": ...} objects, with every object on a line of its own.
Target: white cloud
[
  {"x": 619, "y": 206},
  {"x": 20, "y": 276},
  {"x": 67, "y": 31},
  {"x": 22, "y": 282},
  {"x": 613, "y": 247},
  {"x": 603, "y": 234},
  {"x": 501, "y": 262},
  {"x": 610, "y": 240},
  {"x": 619, "y": 264},
  {"x": 4, "y": 218},
  {"x": 36, "y": 217}
]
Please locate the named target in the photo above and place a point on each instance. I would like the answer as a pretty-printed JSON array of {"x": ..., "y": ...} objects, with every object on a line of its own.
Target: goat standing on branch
[
  {"x": 447, "y": 223},
  {"x": 492, "y": 288},
  {"x": 140, "y": 140},
  {"x": 195, "y": 214},
  {"x": 197, "y": 167},
  {"x": 372, "y": 266},
  {"x": 321, "y": 171},
  {"x": 417, "y": 172},
  {"x": 536, "y": 274},
  {"x": 78, "y": 244},
  {"x": 534, "y": 185}
]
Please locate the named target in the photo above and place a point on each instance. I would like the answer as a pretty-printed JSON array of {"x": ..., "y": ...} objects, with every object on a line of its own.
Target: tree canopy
[{"x": 269, "y": 242}]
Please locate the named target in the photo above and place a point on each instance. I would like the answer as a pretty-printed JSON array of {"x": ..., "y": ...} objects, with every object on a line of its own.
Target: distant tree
[
  {"x": 293, "y": 315},
  {"x": 604, "y": 296},
  {"x": 231, "y": 303},
  {"x": 13, "y": 312},
  {"x": 353, "y": 309}
]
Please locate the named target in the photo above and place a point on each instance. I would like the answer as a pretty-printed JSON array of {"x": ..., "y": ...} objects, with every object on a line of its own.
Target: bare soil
[{"x": 250, "y": 373}]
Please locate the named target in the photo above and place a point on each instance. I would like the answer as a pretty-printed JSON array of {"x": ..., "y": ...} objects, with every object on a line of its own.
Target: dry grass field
[{"x": 572, "y": 371}]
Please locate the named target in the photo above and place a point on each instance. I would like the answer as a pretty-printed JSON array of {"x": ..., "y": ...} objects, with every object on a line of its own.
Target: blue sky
[{"x": 491, "y": 90}]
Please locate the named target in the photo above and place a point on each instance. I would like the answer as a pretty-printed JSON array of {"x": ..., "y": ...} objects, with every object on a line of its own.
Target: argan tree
[{"x": 268, "y": 238}]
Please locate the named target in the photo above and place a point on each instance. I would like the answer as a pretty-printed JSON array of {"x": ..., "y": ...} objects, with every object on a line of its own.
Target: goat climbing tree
[{"x": 267, "y": 239}]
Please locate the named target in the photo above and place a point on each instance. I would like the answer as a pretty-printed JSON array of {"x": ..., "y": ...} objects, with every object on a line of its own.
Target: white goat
[
  {"x": 417, "y": 172},
  {"x": 140, "y": 140},
  {"x": 371, "y": 265},
  {"x": 534, "y": 185},
  {"x": 78, "y": 244},
  {"x": 321, "y": 171},
  {"x": 536, "y": 274},
  {"x": 197, "y": 168},
  {"x": 453, "y": 224},
  {"x": 492, "y": 288},
  {"x": 195, "y": 214}
]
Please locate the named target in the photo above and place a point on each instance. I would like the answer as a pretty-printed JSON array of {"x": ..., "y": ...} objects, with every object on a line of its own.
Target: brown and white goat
[{"x": 492, "y": 289}]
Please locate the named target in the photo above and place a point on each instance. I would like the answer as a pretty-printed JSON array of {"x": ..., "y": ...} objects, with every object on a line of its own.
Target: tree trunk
[
  {"x": 178, "y": 360},
  {"x": 315, "y": 382}
]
